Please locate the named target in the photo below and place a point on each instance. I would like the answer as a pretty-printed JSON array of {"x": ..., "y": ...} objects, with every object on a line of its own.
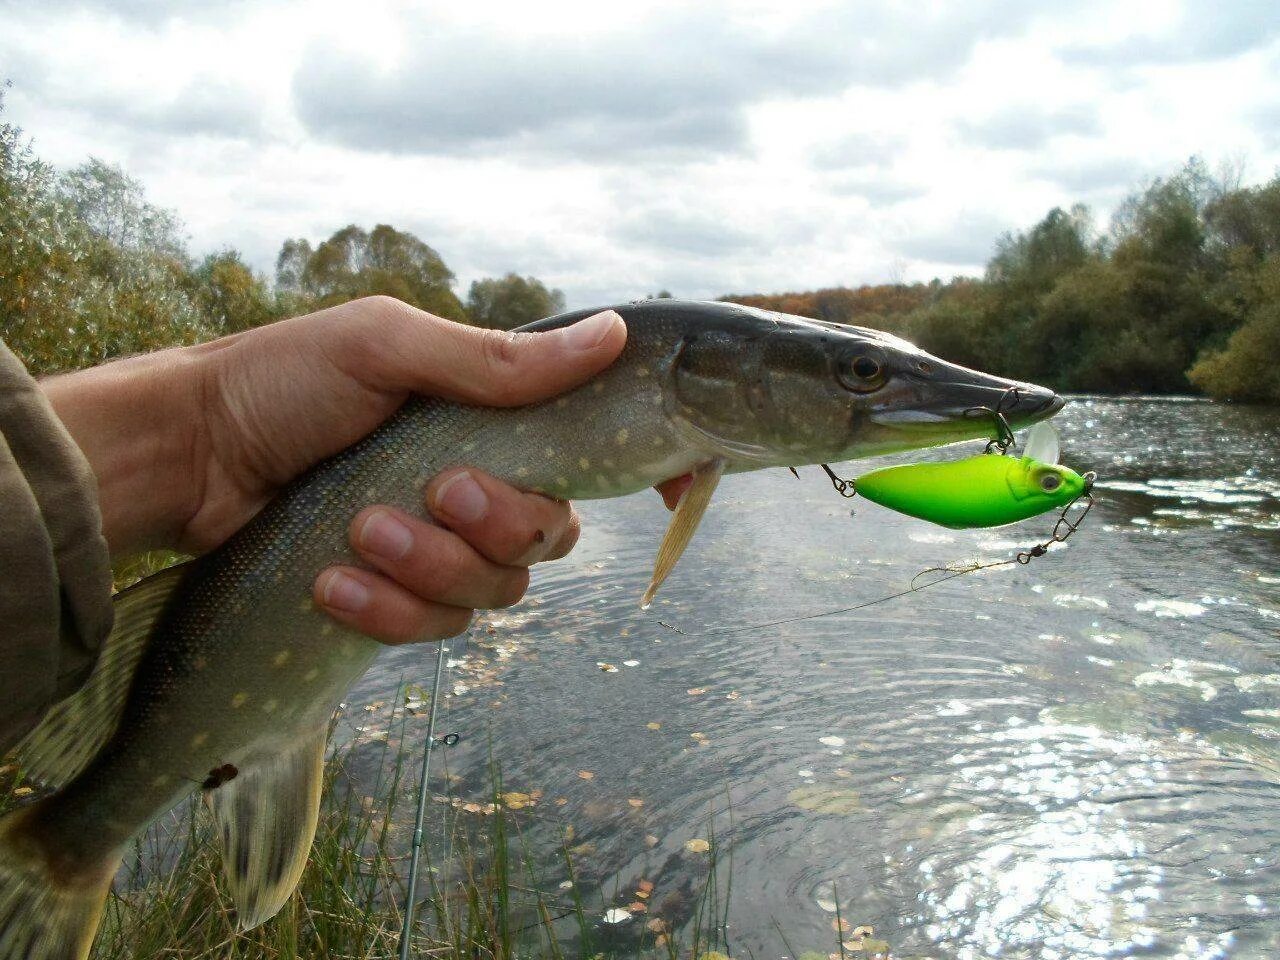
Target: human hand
[{"x": 189, "y": 444}]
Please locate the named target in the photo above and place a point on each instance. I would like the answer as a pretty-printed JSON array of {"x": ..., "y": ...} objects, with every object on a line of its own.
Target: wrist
[{"x": 137, "y": 421}]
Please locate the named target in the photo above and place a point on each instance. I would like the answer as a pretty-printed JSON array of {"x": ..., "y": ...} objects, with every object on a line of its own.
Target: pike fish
[{"x": 221, "y": 676}]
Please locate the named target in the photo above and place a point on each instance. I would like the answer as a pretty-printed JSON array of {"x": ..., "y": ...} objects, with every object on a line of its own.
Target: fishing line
[{"x": 1062, "y": 530}]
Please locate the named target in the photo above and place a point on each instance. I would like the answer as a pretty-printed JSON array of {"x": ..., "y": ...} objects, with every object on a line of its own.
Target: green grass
[{"x": 485, "y": 896}]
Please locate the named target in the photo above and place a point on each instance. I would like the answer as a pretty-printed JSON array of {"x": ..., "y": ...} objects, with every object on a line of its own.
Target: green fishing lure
[{"x": 983, "y": 491}]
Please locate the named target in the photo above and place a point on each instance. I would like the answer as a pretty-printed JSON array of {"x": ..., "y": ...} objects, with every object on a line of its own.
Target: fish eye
[
  {"x": 862, "y": 373},
  {"x": 865, "y": 368},
  {"x": 1049, "y": 482}
]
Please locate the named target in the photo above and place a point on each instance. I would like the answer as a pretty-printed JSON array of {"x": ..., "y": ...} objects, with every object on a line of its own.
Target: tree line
[
  {"x": 90, "y": 270},
  {"x": 1180, "y": 293}
]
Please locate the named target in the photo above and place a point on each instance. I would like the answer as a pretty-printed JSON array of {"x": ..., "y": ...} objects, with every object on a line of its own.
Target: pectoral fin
[
  {"x": 685, "y": 520},
  {"x": 266, "y": 816}
]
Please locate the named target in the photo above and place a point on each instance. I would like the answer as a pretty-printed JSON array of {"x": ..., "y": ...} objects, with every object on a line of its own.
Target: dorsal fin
[
  {"x": 265, "y": 815},
  {"x": 73, "y": 732}
]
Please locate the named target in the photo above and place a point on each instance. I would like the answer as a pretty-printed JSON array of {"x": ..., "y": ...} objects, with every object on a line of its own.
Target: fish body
[
  {"x": 982, "y": 491},
  {"x": 221, "y": 674}
]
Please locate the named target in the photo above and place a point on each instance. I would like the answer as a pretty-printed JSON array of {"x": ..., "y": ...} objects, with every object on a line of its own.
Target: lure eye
[
  {"x": 1050, "y": 482},
  {"x": 862, "y": 373}
]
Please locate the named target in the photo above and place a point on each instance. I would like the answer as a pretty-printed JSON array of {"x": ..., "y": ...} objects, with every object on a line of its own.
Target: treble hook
[{"x": 1004, "y": 433}]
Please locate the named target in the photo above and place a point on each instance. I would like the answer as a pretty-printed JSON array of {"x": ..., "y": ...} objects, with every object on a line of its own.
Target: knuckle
[
  {"x": 500, "y": 351},
  {"x": 381, "y": 303}
]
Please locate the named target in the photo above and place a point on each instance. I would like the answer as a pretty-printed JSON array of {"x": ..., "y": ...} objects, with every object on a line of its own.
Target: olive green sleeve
[{"x": 55, "y": 572}]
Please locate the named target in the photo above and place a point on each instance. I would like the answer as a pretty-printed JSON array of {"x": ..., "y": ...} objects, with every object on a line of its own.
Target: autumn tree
[
  {"x": 231, "y": 295},
  {"x": 511, "y": 301},
  {"x": 89, "y": 269},
  {"x": 357, "y": 263}
]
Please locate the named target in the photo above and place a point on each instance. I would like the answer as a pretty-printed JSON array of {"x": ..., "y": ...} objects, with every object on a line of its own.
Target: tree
[
  {"x": 231, "y": 295},
  {"x": 511, "y": 301},
  {"x": 88, "y": 269},
  {"x": 354, "y": 263},
  {"x": 113, "y": 207},
  {"x": 1246, "y": 368}
]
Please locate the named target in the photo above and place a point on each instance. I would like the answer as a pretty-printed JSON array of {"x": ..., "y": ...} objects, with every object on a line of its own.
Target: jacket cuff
[{"x": 55, "y": 575}]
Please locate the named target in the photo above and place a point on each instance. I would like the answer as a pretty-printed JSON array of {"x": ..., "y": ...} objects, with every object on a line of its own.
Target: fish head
[
  {"x": 904, "y": 397},
  {"x": 791, "y": 391},
  {"x": 896, "y": 396}
]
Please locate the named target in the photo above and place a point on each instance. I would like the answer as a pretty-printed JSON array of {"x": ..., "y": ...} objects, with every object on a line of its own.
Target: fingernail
[
  {"x": 587, "y": 334},
  {"x": 385, "y": 536},
  {"x": 461, "y": 499},
  {"x": 344, "y": 593}
]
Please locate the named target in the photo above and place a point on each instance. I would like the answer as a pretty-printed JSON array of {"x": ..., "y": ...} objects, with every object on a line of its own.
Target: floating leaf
[
  {"x": 656, "y": 925},
  {"x": 696, "y": 691},
  {"x": 23, "y": 791},
  {"x": 635, "y": 802},
  {"x": 645, "y": 885},
  {"x": 654, "y": 725},
  {"x": 631, "y": 663},
  {"x": 650, "y": 840},
  {"x": 517, "y": 801},
  {"x": 617, "y": 915},
  {"x": 839, "y": 924},
  {"x": 819, "y": 799},
  {"x": 637, "y": 907},
  {"x": 606, "y": 667},
  {"x": 586, "y": 775},
  {"x": 831, "y": 741},
  {"x": 697, "y": 845}
]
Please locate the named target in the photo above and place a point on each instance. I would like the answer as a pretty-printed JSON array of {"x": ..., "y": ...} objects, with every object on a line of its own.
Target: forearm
[{"x": 136, "y": 420}]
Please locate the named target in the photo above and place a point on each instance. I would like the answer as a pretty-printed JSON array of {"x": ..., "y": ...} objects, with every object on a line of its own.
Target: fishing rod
[{"x": 411, "y": 896}]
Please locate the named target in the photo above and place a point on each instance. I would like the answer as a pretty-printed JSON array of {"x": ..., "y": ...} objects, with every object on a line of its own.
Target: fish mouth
[{"x": 953, "y": 403}]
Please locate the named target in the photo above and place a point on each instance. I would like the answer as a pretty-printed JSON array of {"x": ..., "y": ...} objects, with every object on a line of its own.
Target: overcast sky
[{"x": 705, "y": 148}]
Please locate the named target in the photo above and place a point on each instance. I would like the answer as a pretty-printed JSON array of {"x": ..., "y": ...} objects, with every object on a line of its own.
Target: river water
[{"x": 1076, "y": 758}]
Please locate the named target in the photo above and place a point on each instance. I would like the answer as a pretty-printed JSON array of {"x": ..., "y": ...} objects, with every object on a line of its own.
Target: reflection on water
[{"x": 1077, "y": 758}]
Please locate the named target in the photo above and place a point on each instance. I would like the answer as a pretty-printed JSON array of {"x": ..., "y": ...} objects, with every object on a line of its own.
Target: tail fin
[{"x": 43, "y": 917}]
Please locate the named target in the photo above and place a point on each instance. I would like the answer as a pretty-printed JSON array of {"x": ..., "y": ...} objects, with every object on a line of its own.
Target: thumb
[{"x": 498, "y": 368}]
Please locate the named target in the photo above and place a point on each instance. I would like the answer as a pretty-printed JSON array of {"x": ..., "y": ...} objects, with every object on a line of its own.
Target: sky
[{"x": 613, "y": 150}]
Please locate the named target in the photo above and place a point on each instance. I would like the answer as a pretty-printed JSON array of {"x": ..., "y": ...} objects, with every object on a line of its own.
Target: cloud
[
  {"x": 1093, "y": 176},
  {"x": 687, "y": 231},
  {"x": 675, "y": 83},
  {"x": 1029, "y": 127},
  {"x": 966, "y": 240},
  {"x": 145, "y": 12},
  {"x": 1205, "y": 30}
]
